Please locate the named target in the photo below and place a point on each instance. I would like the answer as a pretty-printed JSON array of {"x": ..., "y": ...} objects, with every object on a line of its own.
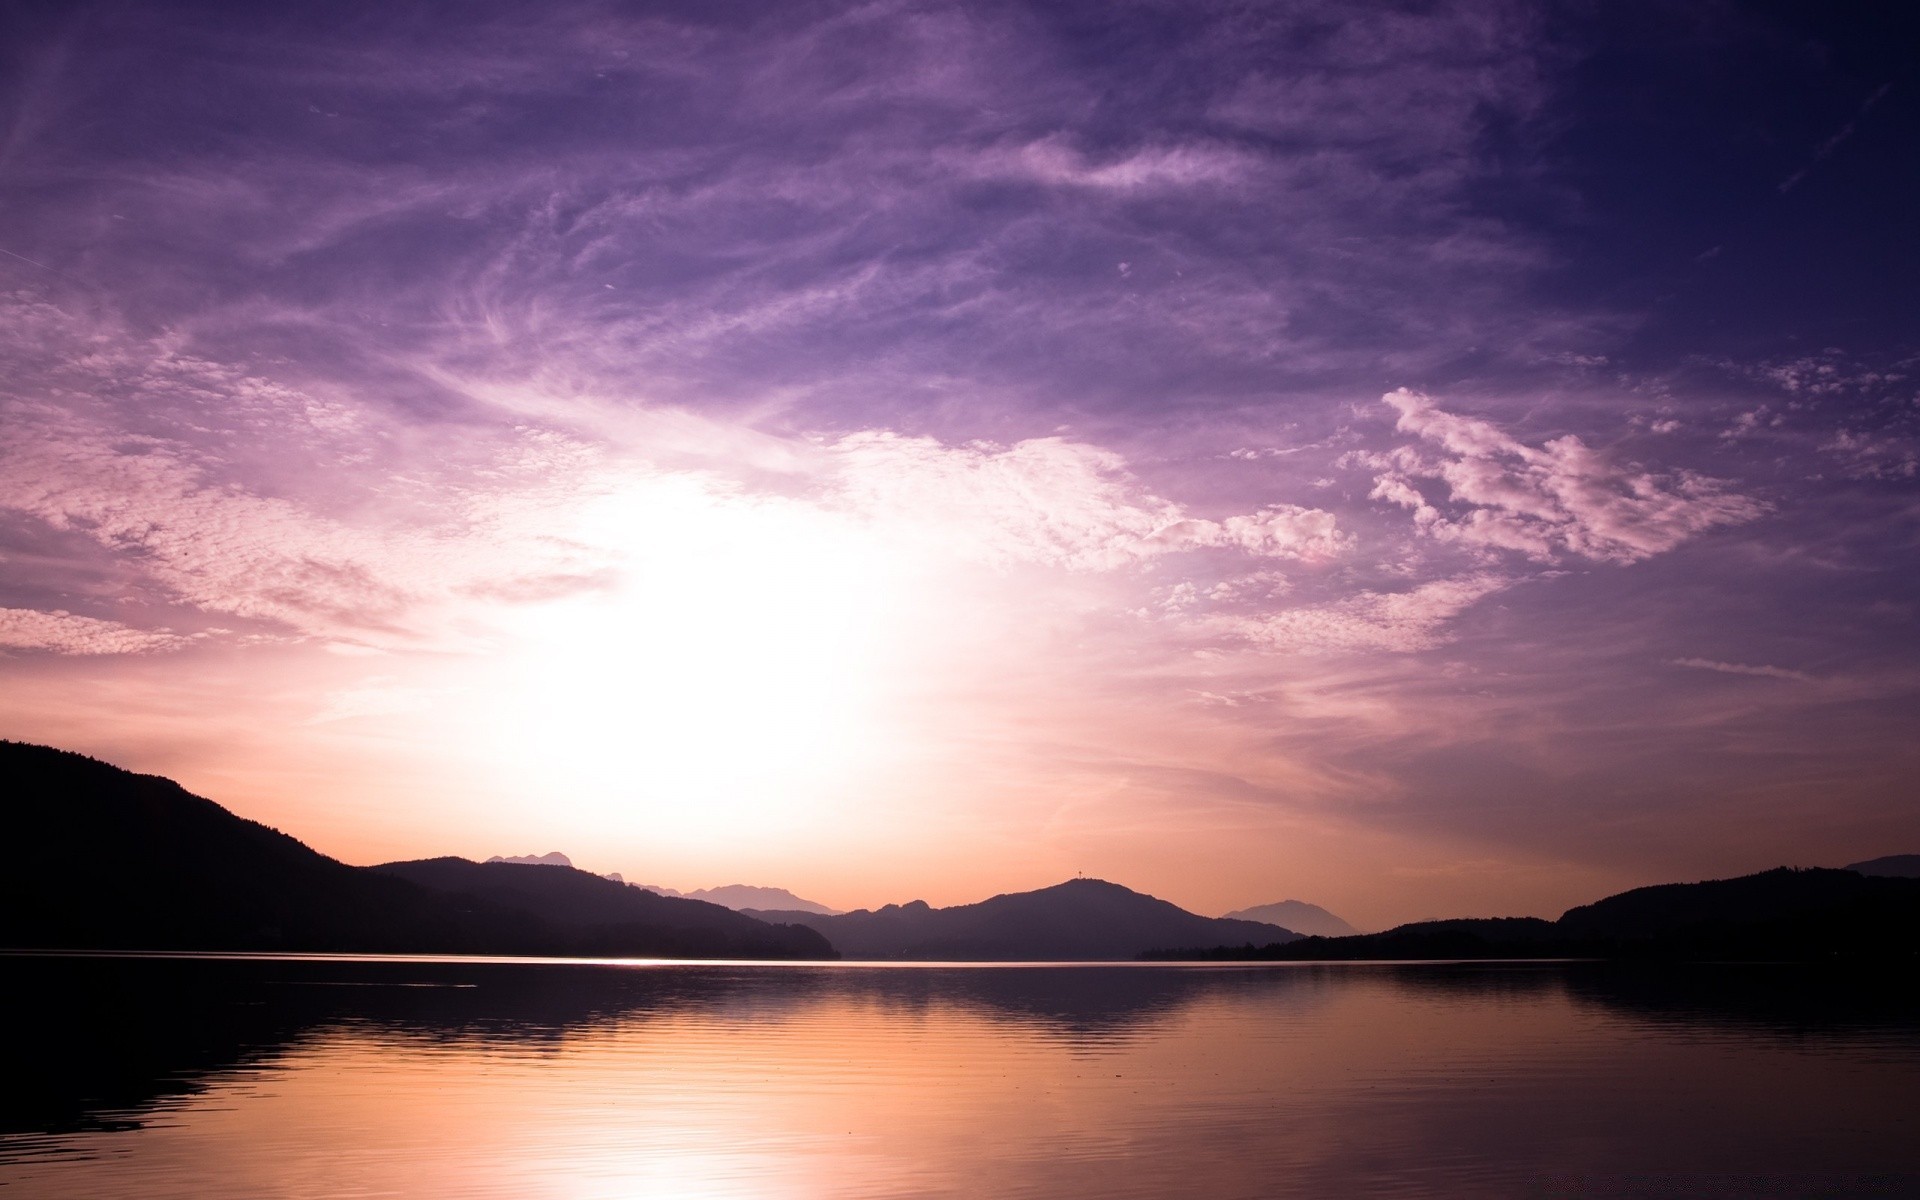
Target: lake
[{"x": 285, "y": 1077}]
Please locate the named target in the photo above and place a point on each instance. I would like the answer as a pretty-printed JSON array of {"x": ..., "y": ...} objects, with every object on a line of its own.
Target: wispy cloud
[
  {"x": 1013, "y": 367},
  {"x": 1729, "y": 668},
  {"x": 1840, "y": 136},
  {"x": 1053, "y": 501},
  {"x": 62, "y": 632}
]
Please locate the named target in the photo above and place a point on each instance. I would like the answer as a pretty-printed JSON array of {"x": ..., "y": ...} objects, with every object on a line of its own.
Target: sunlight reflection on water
[{"x": 275, "y": 1078}]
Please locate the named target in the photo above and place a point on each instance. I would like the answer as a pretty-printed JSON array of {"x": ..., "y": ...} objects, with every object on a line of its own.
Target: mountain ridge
[
  {"x": 1078, "y": 920},
  {"x": 1783, "y": 913},
  {"x": 1899, "y": 866},
  {"x": 166, "y": 869}
]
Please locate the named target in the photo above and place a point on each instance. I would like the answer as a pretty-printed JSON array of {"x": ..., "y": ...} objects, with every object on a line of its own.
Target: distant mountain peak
[
  {"x": 1298, "y": 916},
  {"x": 1899, "y": 866},
  {"x": 746, "y": 897},
  {"x": 552, "y": 858},
  {"x": 1088, "y": 883}
]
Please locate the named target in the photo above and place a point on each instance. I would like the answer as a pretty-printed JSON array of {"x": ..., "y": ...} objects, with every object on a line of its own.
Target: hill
[
  {"x": 1080, "y": 920},
  {"x": 1901, "y": 866},
  {"x": 1779, "y": 914},
  {"x": 127, "y": 861},
  {"x": 1309, "y": 920},
  {"x": 599, "y": 916}
]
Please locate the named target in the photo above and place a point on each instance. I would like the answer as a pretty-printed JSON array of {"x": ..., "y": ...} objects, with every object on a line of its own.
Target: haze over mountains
[
  {"x": 743, "y": 897},
  {"x": 554, "y": 859},
  {"x": 165, "y": 869},
  {"x": 737, "y": 896},
  {"x": 140, "y": 863},
  {"x": 144, "y": 864}
]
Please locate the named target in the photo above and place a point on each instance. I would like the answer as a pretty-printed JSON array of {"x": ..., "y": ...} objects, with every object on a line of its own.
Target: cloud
[
  {"x": 1560, "y": 497},
  {"x": 226, "y": 493},
  {"x": 1727, "y": 668},
  {"x": 159, "y": 506},
  {"x": 1867, "y": 456},
  {"x": 1399, "y": 622},
  {"x": 1833, "y": 143},
  {"x": 1053, "y": 160},
  {"x": 62, "y": 632},
  {"x": 1051, "y": 501},
  {"x": 1830, "y": 372}
]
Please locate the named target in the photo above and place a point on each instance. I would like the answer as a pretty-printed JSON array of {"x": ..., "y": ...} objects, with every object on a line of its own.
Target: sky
[{"x": 1426, "y": 459}]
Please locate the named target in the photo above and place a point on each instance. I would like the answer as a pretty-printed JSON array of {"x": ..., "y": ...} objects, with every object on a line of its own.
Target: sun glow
[{"x": 735, "y": 665}]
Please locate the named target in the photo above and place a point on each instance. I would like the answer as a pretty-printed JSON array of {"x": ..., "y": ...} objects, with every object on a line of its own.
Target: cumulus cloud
[
  {"x": 62, "y": 632},
  {"x": 1053, "y": 501},
  {"x": 1542, "y": 501}
]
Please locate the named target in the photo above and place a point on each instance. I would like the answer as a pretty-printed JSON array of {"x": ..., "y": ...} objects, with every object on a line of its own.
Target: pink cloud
[
  {"x": 62, "y": 632},
  {"x": 1398, "y": 622},
  {"x": 1052, "y": 501},
  {"x": 1563, "y": 496}
]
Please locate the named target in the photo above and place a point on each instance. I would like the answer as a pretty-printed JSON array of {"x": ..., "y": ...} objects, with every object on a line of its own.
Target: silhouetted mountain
[
  {"x": 144, "y": 864},
  {"x": 1777, "y": 914},
  {"x": 1900, "y": 866},
  {"x": 1296, "y": 916},
  {"x": 746, "y": 898},
  {"x": 600, "y": 916},
  {"x": 1465, "y": 937},
  {"x": 1081, "y": 920}
]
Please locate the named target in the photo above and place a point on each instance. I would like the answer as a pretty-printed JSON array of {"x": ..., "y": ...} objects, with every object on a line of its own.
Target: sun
[{"x": 735, "y": 665}]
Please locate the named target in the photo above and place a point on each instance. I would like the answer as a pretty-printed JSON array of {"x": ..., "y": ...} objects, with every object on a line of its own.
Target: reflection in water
[{"x": 281, "y": 1078}]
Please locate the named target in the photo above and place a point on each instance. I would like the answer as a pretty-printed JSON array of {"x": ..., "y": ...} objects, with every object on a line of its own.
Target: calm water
[{"x": 277, "y": 1078}]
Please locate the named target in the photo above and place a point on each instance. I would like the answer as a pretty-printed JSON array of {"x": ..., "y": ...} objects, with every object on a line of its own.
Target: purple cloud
[{"x": 970, "y": 419}]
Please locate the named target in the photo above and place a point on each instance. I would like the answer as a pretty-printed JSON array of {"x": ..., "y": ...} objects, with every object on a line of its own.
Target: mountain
[
  {"x": 599, "y": 916},
  {"x": 738, "y": 896},
  {"x": 552, "y": 858},
  {"x": 136, "y": 861},
  {"x": 1779, "y": 914},
  {"x": 1901, "y": 866},
  {"x": 1080, "y": 920},
  {"x": 1297, "y": 915},
  {"x": 1460, "y": 937},
  {"x": 128, "y": 861},
  {"x": 743, "y": 897},
  {"x": 1776, "y": 897}
]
